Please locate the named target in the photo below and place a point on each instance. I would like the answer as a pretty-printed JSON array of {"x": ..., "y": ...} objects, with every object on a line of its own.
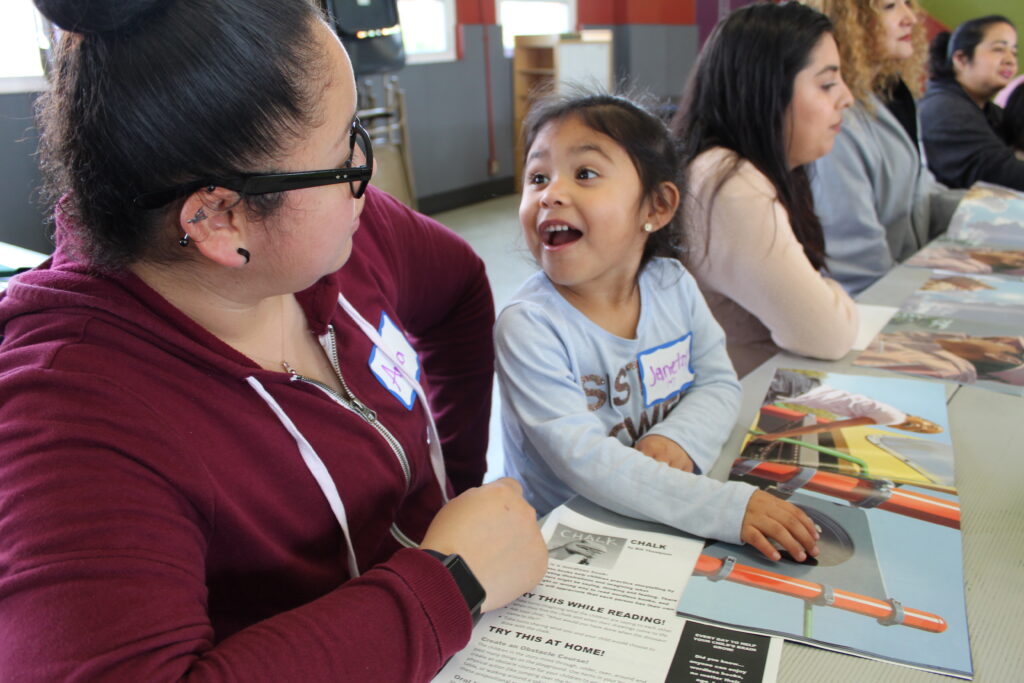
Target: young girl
[
  {"x": 877, "y": 201},
  {"x": 756, "y": 245},
  {"x": 614, "y": 376},
  {"x": 962, "y": 129}
]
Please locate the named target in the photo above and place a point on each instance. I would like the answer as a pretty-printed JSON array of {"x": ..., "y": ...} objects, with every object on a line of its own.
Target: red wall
[
  {"x": 933, "y": 26},
  {"x": 614, "y": 12},
  {"x": 597, "y": 12},
  {"x": 475, "y": 11}
]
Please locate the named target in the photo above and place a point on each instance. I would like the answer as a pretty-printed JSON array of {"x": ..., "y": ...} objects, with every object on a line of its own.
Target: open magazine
[
  {"x": 971, "y": 259},
  {"x": 606, "y": 611},
  {"x": 989, "y": 215},
  {"x": 869, "y": 459},
  {"x": 965, "y": 327},
  {"x": 965, "y": 324}
]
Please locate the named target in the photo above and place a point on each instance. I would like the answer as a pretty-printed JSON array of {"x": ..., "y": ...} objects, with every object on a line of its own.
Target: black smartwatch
[{"x": 472, "y": 592}]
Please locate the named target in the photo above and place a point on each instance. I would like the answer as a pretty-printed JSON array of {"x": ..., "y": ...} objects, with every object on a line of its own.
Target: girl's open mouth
[{"x": 556, "y": 235}]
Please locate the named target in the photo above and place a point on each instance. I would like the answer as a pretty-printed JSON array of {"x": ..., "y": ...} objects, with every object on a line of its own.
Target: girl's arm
[
  {"x": 701, "y": 422},
  {"x": 543, "y": 396}
]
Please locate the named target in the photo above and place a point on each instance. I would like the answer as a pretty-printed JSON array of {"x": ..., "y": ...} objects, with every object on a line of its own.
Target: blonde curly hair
[{"x": 858, "y": 31}]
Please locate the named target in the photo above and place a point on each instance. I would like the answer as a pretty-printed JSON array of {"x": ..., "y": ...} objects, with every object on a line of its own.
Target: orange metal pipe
[
  {"x": 808, "y": 590},
  {"x": 779, "y": 411},
  {"x": 917, "y": 505}
]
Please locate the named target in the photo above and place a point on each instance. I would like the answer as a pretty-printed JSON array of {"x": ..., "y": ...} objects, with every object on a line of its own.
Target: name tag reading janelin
[
  {"x": 666, "y": 370},
  {"x": 386, "y": 366}
]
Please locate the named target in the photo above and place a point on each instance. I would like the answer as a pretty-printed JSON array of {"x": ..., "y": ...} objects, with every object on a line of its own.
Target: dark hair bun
[
  {"x": 95, "y": 16},
  {"x": 939, "y": 63}
]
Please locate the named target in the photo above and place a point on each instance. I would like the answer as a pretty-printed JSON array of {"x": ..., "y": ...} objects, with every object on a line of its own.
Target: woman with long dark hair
[
  {"x": 961, "y": 127},
  {"x": 765, "y": 100}
]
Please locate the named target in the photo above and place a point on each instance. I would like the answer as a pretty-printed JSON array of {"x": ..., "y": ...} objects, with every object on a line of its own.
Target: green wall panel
[{"x": 953, "y": 12}]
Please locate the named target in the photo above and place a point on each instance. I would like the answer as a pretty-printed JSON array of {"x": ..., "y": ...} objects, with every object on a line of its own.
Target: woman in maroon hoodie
[{"x": 218, "y": 458}]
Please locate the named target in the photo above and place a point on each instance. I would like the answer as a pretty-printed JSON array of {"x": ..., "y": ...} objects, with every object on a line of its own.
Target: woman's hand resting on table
[{"x": 495, "y": 531}]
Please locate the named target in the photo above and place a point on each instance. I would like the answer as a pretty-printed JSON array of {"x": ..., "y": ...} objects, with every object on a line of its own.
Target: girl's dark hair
[
  {"x": 738, "y": 96},
  {"x": 644, "y": 137},
  {"x": 148, "y": 94},
  {"x": 964, "y": 39}
]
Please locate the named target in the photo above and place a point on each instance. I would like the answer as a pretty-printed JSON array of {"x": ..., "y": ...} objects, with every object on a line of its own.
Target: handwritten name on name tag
[
  {"x": 387, "y": 367},
  {"x": 666, "y": 370}
]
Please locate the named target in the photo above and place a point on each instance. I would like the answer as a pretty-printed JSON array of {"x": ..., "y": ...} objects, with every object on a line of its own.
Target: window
[
  {"x": 534, "y": 17},
  {"x": 21, "y": 40},
  {"x": 428, "y": 30}
]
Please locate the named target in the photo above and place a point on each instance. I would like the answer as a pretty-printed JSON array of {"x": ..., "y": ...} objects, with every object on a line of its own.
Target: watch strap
[{"x": 472, "y": 592}]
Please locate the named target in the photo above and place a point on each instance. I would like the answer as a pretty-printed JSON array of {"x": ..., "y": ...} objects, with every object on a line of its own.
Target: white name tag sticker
[
  {"x": 387, "y": 365},
  {"x": 666, "y": 370}
]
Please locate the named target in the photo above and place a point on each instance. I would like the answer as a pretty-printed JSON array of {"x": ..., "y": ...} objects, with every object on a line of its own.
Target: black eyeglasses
[{"x": 357, "y": 170}]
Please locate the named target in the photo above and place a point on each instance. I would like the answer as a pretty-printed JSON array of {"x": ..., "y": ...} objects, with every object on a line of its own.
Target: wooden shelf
[{"x": 542, "y": 64}]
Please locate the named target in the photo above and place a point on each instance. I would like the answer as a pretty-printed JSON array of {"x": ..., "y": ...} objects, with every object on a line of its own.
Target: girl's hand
[
  {"x": 665, "y": 450},
  {"x": 495, "y": 531},
  {"x": 769, "y": 518}
]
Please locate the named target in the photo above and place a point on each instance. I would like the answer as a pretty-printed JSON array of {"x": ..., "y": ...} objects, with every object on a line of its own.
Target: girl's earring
[
  {"x": 648, "y": 227},
  {"x": 184, "y": 240}
]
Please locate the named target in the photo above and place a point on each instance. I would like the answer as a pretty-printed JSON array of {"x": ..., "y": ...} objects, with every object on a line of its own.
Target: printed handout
[
  {"x": 605, "y": 610},
  {"x": 712, "y": 654}
]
